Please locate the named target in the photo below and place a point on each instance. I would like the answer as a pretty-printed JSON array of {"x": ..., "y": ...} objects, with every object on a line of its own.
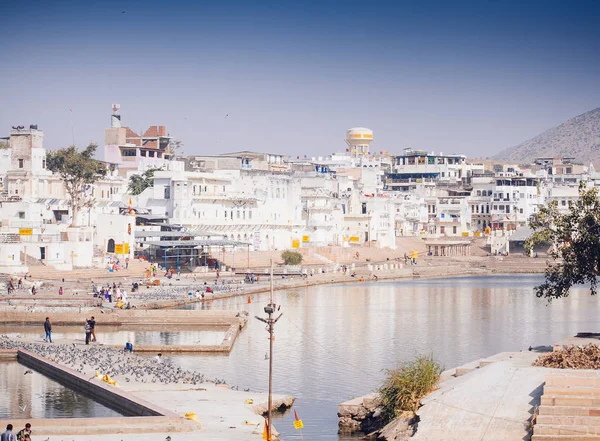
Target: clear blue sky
[{"x": 458, "y": 77}]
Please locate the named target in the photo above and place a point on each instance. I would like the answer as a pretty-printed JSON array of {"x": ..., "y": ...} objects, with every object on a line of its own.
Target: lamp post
[{"x": 270, "y": 321}]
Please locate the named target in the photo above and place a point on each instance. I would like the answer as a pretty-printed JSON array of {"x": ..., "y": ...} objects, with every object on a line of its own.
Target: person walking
[
  {"x": 93, "y": 328},
  {"x": 8, "y": 435},
  {"x": 88, "y": 331},
  {"x": 48, "y": 330},
  {"x": 24, "y": 433},
  {"x": 60, "y": 291}
]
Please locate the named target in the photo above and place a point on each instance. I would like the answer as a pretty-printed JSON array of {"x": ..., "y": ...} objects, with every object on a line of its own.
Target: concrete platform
[{"x": 493, "y": 402}]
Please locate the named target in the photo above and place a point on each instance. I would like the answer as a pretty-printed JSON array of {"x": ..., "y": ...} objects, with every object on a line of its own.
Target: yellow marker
[{"x": 298, "y": 424}]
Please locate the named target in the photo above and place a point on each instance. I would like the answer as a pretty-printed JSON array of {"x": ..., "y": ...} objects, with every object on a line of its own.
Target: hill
[{"x": 578, "y": 137}]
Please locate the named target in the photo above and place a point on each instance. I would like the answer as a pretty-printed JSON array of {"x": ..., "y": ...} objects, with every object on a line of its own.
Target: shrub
[
  {"x": 404, "y": 386},
  {"x": 291, "y": 257}
]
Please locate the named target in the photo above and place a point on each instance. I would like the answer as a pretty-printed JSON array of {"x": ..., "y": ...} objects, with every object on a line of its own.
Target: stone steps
[
  {"x": 567, "y": 429},
  {"x": 565, "y": 438},
  {"x": 570, "y": 407}
]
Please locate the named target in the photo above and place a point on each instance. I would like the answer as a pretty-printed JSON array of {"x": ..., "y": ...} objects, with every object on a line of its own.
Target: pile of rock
[{"x": 360, "y": 415}]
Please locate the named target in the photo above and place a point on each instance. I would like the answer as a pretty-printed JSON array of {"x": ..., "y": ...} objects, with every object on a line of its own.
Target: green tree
[
  {"x": 138, "y": 183},
  {"x": 77, "y": 169},
  {"x": 291, "y": 257},
  {"x": 575, "y": 240}
]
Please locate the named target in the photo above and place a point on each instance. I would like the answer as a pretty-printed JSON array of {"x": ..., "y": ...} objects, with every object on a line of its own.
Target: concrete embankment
[
  {"x": 172, "y": 392},
  {"x": 117, "y": 317},
  {"x": 487, "y": 399}
]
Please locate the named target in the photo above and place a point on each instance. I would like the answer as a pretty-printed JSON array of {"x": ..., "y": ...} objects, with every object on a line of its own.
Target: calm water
[
  {"x": 118, "y": 336},
  {"x": 36, "y": 396},
  {"x": 334, "y": 342}
]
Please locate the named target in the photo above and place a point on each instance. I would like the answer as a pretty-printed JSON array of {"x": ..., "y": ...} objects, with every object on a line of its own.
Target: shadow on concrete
[{"x": 535, "y": 402}]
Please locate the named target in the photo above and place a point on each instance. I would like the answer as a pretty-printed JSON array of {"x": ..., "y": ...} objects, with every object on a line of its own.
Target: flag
[
  {"x": 266, "y": 432},
  {"x": 298, "y": 424}
]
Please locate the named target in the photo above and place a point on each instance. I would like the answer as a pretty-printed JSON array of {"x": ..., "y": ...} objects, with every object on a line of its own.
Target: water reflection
[
  {"x": 334, "y": 342},
  {"x": 36, "y": 396}
]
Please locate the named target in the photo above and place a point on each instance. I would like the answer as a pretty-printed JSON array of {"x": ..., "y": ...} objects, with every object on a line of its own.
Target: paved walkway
[{"x": 491, "y": 403}]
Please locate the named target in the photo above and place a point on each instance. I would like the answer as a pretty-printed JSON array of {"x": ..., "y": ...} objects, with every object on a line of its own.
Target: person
[
  {"x": 208, "y": 289},
  {"x": 128, "y": 346},
  {"x": 197, "y": 293},
  {"x": 93, "y": 328},
  {"x": 20, "y": 284},
  {"x": 127, "y": 263},
  {"x": 8, "y": 435},
  {"x": 158, "y": 357},
  {"x": 26, "y": 432},
  {"x": 60, "y": 291},
  {"x": 88, "y": 331},
  {"x": 48, "y": 330}
]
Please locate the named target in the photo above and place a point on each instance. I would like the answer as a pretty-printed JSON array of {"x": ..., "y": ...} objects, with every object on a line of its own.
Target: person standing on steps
[
  {"x": 93, "y": 328},
  {"x": 48, "y": 330},
  {"x": 60, "y": 291}
]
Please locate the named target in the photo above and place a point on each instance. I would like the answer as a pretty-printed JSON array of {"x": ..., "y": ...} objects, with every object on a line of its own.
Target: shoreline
[{"x": 407, "y": 273}]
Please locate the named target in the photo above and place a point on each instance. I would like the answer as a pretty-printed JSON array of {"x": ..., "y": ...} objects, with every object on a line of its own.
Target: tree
[
  {"x": 291, "y": 257},
  {"x": 76, "y": 169},
  {"x": 175, "y": 147},
  {"x": 138, "y": 183},
  {"x": 575, "y": 240}
]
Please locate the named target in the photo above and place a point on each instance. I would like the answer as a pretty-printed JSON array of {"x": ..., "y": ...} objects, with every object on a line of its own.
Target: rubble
[{"x": 571, "y": 357}]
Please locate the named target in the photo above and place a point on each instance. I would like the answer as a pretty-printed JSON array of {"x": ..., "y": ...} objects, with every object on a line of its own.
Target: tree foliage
[
  {"x": 575, "y": 240},
  {"x": 138, "y": 183},
  {"x": 291, "y": 257},
  {"x": 77, "y": 169},
  {"x": 175, "y": 148}
]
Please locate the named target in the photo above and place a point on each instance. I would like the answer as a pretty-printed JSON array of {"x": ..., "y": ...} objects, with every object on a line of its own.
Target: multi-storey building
[{"x": 132, "y": 152}]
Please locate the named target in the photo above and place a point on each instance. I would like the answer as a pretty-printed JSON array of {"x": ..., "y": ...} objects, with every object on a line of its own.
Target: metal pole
[{"x": 269, "y": 429}]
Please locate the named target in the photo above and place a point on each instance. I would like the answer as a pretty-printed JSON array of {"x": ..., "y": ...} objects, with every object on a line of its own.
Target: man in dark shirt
[
  {"x": 93, "y": 327},
  {"x": 48, "y": 330}
]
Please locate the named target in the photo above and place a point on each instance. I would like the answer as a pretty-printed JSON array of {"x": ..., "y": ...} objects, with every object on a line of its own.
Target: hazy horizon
[{"x": 468, "y": 77}]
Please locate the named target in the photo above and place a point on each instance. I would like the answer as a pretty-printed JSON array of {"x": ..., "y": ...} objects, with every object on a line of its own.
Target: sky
[{"x": 468, "y": 77}]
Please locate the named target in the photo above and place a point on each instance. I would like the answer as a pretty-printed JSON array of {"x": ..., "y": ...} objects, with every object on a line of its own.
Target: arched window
[{"x": 110, "y": 247}]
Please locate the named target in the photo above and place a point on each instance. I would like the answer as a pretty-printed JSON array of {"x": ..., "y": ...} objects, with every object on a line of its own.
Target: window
[
  {"x": 454, "y": 229},
  {"x": 21, "y": 215},
  {"x": 478, "y": 192},
  {"x": 249, "y": 214},
  {"x": 167, "y": 194},
  {"x": 520, "y": 210},
  {"x": 225, "y": 214},
  {"x": 238, "y": 214},
  {"x": 20, "y": 163},
  {"x": 43, "y": 163}
]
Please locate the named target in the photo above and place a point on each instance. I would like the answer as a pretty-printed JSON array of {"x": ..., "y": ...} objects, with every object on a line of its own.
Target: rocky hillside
[{"x": 579, "y": 137}]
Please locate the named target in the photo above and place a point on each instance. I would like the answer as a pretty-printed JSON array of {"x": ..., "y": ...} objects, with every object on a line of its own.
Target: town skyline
[{"x": 469, "y": 79}]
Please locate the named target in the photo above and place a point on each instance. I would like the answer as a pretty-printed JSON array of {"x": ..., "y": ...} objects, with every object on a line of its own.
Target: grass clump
[
  {"x": 291, "y": 257},
  {"x": 404, "y": 386}
]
